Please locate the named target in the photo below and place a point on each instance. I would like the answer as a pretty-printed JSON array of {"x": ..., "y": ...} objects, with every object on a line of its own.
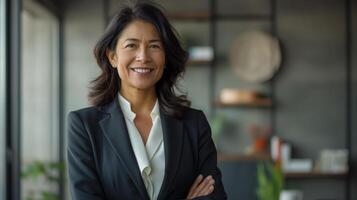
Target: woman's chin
[{"x": 144, "y": 86}]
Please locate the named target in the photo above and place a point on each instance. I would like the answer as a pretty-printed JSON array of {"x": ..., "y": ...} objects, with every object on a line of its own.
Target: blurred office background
[{"x": 309, "y": 103}]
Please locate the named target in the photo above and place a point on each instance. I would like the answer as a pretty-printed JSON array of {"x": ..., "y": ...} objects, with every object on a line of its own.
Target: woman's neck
[{"x": 142, "y": 101}]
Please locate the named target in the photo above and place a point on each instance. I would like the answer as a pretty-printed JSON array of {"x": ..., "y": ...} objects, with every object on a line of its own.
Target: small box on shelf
[
  {"x": 242, "y": 98},
  {"x": 262, "y": 103}
]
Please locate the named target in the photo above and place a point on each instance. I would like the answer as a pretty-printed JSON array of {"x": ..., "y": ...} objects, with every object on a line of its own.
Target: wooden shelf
[
  {"x": 237, "y": 157},
  {"x": 316, "y": 174},
  {"x": 190, "y": 16},
  {"x": 263, "y": 103},
  {"x": 199, "y": 62}
]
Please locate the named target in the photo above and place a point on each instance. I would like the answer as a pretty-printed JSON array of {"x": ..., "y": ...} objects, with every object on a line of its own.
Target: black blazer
[{"x": 102, "y": 164}]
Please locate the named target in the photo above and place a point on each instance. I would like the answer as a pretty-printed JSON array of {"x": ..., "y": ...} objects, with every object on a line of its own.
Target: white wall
[{"x": 84, "y": 22}]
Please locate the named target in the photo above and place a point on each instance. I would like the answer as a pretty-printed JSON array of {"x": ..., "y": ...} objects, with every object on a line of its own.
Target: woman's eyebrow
[
  {"x": 155, "y": 40},
  {"x": 137, "y": 40}
]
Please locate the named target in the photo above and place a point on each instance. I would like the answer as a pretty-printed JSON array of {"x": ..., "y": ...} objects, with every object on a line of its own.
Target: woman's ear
[{"x": 112, "y": 57}]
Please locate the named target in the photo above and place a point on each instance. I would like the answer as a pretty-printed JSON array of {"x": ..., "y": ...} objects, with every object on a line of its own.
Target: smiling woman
[
  {"x": 140, "y": 140},
  {"x": 139, "y": 57},
  {"x": 107, "y": 85}
]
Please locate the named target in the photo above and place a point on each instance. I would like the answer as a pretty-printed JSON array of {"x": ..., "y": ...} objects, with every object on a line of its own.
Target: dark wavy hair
[{"x": 106, "y": 86}]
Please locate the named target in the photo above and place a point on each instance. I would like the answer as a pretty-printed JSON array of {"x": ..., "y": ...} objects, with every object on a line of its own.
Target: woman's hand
[{"x": 201, "y": 187}]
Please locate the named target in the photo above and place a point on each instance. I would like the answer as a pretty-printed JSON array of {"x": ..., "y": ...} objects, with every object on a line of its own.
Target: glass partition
[{"x": 39, "y": 103}]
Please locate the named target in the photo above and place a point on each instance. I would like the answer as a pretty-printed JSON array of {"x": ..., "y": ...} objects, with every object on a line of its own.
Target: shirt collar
[
  {"x": 126, "y": 108},
  {"x": 144, "y": 152},
  {"x": 155, "y": 111}
]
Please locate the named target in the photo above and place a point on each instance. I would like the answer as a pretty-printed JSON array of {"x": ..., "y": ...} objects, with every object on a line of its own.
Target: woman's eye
[
  {"x": 130, "y": 46},
  {"x": 155, "y": 46}
]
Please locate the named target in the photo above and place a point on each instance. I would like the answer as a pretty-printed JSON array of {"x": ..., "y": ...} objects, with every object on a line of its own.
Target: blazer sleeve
[
  {"x": 208, "y": 160},
  {"x": 83, "y": 179}
]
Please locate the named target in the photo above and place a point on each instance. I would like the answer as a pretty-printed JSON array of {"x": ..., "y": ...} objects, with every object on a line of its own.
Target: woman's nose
[{"x": 143, "y": 55}]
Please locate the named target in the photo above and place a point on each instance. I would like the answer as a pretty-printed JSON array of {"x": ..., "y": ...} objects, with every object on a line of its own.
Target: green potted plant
[
  {"x": 217, "y": 123},
  {"x": 270, "y": 180},
  {"x": 49, "y": 171}
]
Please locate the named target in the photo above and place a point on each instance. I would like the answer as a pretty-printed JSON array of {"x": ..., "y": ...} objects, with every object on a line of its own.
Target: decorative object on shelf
[
  {"x": 229, "y": 96},
  {"x": 270, "y": 181},
  {"x": 290, "y": 165},
  {"x": 285, "y": 153},
  {"x": 260, "y": 137},
  {"x": 232, "y": 96},
  {"x": 200, "y": 53},
  {"x": 255, "y": 56},
  {"x": 275, "y": 149},
  {"x": 304, "y": 168},
  {"x": 291, "y": 195},
  {"x": 333, "y": 161},
  {"x": 298, "y": 165},
  {"x": 281, "y": 155}
]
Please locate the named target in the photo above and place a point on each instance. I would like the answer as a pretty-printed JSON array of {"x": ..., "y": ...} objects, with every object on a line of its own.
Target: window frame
[{"x": 2, "y": 100}]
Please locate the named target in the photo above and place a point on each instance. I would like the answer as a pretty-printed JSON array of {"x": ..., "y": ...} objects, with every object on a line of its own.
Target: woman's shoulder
[
  {"x": 193, "y": 113},
  {"x": 86, "y": 113},
  {"x": 86, "y": 110}
]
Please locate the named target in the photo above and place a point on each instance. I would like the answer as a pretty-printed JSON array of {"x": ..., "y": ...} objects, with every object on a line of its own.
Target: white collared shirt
[{"x": 150, "y": 157}]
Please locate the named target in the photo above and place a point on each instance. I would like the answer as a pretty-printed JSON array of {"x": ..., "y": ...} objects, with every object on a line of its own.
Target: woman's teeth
[{"x": 141, "y": 70}]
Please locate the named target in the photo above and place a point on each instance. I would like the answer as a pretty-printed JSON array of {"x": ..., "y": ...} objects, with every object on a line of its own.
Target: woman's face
[{"x": 139, "y": 56}]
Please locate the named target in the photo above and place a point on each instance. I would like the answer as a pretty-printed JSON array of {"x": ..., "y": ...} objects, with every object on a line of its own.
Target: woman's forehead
[{"x": 140, "y": 30}]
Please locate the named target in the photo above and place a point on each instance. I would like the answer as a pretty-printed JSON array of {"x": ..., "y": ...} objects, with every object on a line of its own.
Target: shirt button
[{"x": 147, "y": 170}]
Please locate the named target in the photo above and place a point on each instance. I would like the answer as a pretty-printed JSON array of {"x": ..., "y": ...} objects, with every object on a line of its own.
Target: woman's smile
[{"x": 142, "y": 70}]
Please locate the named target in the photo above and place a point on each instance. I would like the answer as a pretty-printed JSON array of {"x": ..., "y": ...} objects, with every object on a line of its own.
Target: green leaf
[
  {"x": 49, "y": 171},
  {"x": 270, "y": 181},
  {"x": 50, "y": 196},
  {"x": 33, "y": 170}
]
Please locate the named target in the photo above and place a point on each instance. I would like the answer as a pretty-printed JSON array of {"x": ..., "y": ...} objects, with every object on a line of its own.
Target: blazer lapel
[
  {"x": 115, "y": 130},
  {"x": 173, "y": 137}
]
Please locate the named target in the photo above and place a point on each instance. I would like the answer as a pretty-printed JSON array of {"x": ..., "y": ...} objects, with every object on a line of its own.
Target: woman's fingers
[
  {"x": 203, "y": 186},
  {"x": 208, "y": 189},
  {"x": 194, "y": 186}
]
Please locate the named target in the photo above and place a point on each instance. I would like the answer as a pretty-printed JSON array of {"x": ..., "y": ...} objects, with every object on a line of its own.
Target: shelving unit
[
  {"x": 287, "y": 175},
  {"x": 235, "y": 157},
  {"x": 261, "y": 103},
  {"x": 199, "y": 62},
  {"x": 316, "y": 174},
  {"x": 213, "y": 19},
  {"x": 189, "y": 16}
]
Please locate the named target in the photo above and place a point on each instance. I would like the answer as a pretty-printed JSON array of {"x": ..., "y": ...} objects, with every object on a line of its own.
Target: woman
[{"x": 140, "y": 140}]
